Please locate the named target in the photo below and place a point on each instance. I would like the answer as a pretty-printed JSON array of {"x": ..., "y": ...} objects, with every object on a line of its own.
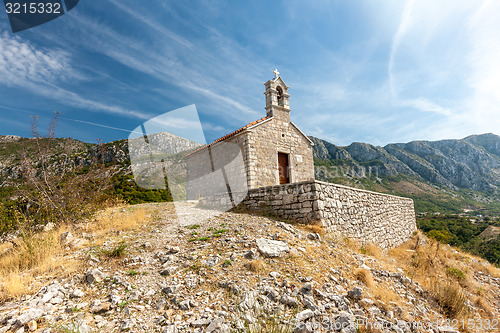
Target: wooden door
[{"x": 283, "y": 168}]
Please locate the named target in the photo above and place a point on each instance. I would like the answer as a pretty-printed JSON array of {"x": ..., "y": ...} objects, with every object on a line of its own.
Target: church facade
[{"x": 275, "y": 151}]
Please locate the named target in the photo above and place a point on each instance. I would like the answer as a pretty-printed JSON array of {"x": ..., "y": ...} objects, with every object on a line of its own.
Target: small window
[{"x": 280, "y": 96}]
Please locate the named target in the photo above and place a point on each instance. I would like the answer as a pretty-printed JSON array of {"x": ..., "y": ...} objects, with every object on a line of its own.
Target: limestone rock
[
  {"x": 304, "y": 315},
  {"x": 28, "y": 316},
  {"x": 94, "y": 275},
  {"x": 272, "y": 248},
  {"x": 356, "y": 293}
]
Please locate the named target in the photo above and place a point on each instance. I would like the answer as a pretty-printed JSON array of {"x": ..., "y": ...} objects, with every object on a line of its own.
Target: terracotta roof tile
[{"x": 227, "y": 136}]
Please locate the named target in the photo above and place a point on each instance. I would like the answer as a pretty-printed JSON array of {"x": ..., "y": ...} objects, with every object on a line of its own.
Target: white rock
[
  {"x": 274, "y": 275},
  {"x": 127, "y": 324},
  {"x": 94, "y": 275},
  {"x": 29, "y": 315},
  {"x": 272, "y": 248},
  {"x": 77, "y": 293},
  {"x": 66, "y": 238},
  {"x": 304, "y": 315},
  {"x": 49, "y": 227}
]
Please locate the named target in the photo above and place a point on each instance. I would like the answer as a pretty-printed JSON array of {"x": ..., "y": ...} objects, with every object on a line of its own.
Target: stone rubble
[{"x": 169, "y": 283}]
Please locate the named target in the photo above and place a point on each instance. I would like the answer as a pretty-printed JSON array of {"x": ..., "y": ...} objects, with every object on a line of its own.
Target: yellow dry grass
[
  {"x": 447, "y": 272},
  {"x": 374, "y": 251},
  {"x": 317, "y": 228},
  {"x": 33, "y": 255},
  {"x": 383, "y": 294},
  {"x": 118, "y": 219},
  {"x": 482, "y": 304},
  {"x": 386, "y": 295},
  {"x": 364, "y": 276},
  {"x": 41, "y": 253},
  {"x": 256, "y": 266}
]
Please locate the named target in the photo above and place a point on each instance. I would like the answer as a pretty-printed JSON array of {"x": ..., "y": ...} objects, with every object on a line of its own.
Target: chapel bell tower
[{"x": 277, "y": 98}]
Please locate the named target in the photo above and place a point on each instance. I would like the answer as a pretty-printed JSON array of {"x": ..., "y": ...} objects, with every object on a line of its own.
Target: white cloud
[
  {"x": 133, "y": 11},
  {"x": 21, "y": 62},
  {"x": 448, "y": 62},
  {"x": 484, "y": 62},
  {"x": 402, "y": 28},
  {"x": 423, "y": 104},
  {"x": 43, "y": 71}
]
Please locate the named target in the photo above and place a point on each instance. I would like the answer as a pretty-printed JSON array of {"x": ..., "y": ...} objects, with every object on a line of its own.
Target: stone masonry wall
[{"x": 364, "y": 216}]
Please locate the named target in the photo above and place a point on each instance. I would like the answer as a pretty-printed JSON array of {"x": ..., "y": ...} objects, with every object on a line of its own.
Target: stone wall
[{"x": 365, "y": 216}]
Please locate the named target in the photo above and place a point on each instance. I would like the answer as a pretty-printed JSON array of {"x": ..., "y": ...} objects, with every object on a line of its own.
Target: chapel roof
[{"x": 227, "y": 136}]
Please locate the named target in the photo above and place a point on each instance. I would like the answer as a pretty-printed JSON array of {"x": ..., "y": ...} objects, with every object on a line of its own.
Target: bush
[
  {"x": 364, "y": 276},
  {"x": 442, "y": 236},
  {"x": 118, "y": 251},
  {"x": 455, "y": 273},
  {"x": 53, "y": 188},
  {"x": 451, "y": 299}
]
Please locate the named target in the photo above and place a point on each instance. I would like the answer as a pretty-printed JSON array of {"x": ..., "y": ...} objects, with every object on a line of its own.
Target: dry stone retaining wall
[{"x": 365, "y": 216}]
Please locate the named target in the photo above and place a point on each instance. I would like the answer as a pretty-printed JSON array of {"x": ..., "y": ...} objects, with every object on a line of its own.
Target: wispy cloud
[
  {"x": 484, "y": 62},
  {"x": 396, "y": 41},
  {"x": 447, "y": 62},
  {"x": 42, "y": 71},
  {"x": 20, "y": 62},
  {"x": 144, "y": 18},
  {"x": 163, "y": 65},
  {"x": 425, "y": 105}
]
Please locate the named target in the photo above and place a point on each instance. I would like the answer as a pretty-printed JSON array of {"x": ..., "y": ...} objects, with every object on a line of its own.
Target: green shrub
[
  {"x": 456, "y": 273},
  {"x": 118, "y": 251}
]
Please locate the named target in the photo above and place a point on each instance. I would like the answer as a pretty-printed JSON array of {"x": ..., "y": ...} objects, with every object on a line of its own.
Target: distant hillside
[
  {"x": 454, "y": 174},
  {"x": 35, "y": 173}
]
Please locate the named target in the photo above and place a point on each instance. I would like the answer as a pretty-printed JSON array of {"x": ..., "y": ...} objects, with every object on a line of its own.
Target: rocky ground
[{"x": 233, "y": 272}]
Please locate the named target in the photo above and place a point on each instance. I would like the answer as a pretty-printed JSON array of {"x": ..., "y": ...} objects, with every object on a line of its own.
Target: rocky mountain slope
[
  {"x": 60, "y": 152},
  {"x": 470, "y": 165},
  {"x": 472, "y": 162},
  {"x": 245, "y": 273}
]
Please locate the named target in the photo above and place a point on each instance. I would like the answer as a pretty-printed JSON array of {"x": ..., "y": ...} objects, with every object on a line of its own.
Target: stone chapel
[
  {"x": 277, "y": 163},
  {"x": 275, "y": 151}
]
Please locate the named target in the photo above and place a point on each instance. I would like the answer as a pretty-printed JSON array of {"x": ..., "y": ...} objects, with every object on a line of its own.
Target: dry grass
[
  {"x": 33, "y": 255},
  {"x": 31, "y": 251},
  {"x": 41, "y": 253},
  {"x": 14, "y": 285},
  {"x": 256, "y": 266},
  {"x": 432, "y": 263},
  {"x": 451, "y": 299},
  {"x": 316, "y": 228},
  {"x": 482, "y": 304},
  {"x": 493, "y": 271},
  {"x": 382, "y": 294},
  {"x": 118, "y": 219},
  {"x": 351, "y": 244},
  {"x": 385, "y": 296},
  {"x": 5, "y": 247},
  {"x": 429, "y": 264},
  {"x": 364, "y": 276},
  {"x": 374, "y": 251}
]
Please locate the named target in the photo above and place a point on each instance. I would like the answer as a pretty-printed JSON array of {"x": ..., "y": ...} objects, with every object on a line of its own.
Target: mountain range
[{"x": 465, "y": 171}]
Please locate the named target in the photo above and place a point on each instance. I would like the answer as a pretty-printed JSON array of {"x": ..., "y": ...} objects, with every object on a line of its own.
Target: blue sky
[{"x": 370, "y": 71}]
